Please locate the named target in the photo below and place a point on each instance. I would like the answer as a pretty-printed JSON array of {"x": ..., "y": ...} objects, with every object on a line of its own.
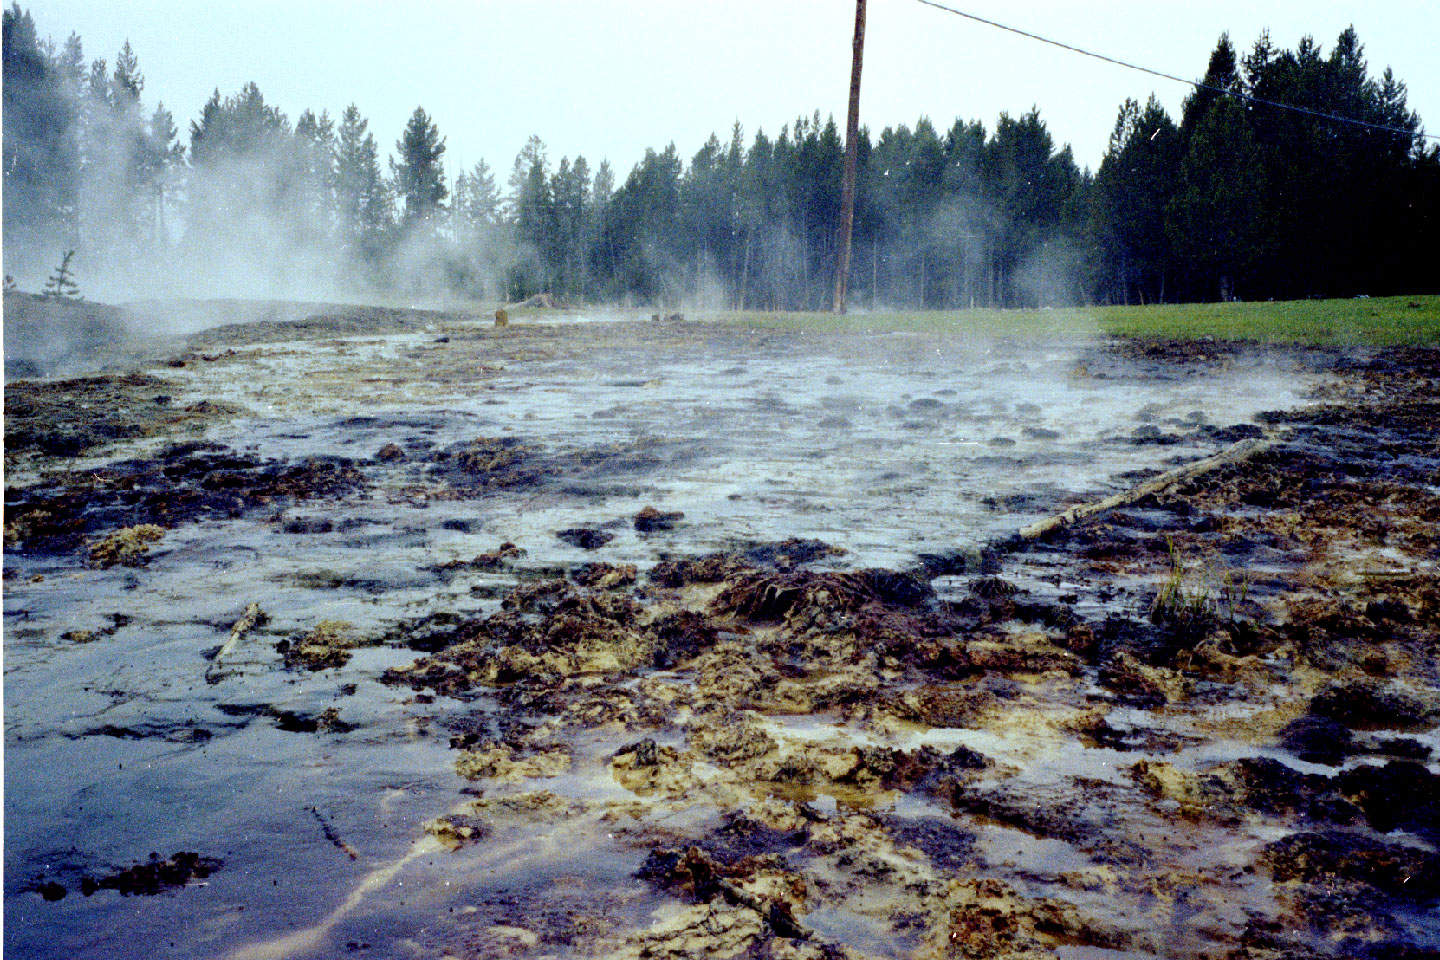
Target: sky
[{"x": 609, "y": 78}]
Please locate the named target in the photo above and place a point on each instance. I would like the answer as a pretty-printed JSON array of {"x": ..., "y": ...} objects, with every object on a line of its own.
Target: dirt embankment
[
  {"x": 45, "y": 337},
  {"x": 63, "y": 338}
]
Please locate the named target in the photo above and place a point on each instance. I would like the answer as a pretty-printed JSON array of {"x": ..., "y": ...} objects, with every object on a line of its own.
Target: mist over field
[{"x": 242, "y": 197}]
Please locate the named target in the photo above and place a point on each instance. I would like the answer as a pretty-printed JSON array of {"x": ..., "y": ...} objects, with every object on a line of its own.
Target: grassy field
[{"x": 1382, "y": 321}]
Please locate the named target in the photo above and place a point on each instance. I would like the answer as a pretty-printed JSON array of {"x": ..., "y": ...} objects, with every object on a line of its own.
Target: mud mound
[
  {"x": 782, "y": 596},
  {"x": 237, "y": 322},
  {"x": 544, "y": 634},
  {"x": 486, "y": 463},
  {"x": 66, "y": 418},
  {"x": 65, "y": 337},
  {"x": 182, "y": 483},
  {"x": 1329, "y": 856}
]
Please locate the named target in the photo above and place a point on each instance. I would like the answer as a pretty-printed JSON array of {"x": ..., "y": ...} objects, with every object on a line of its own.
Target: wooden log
[
  {"x": 1235, "y": 453},
  {"x": 252, "y": 616}
]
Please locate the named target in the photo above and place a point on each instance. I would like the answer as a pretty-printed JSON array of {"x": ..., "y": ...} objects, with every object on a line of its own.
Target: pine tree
[
  {"x": 362, "y": 196},
  {"x": 127, "y": 82},
  {"x": 62, "y": 285},
  {"x": 41, "y": 160},
  {"x": 1211, "y": 221},
  {"x": 239, "y": 126},
  {"x": 162, "y": 159},
  {"x": 1136, "y": 181},
  {"x": 419, "y": 178},
  {"x": 532, "y": 211},
  {"x": 484, "y": 201},
  {"x": 317, "y": 174}
]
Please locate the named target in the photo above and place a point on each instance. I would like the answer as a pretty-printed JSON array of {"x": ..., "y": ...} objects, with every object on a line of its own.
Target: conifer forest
[{"x": 1231, "y": 199}]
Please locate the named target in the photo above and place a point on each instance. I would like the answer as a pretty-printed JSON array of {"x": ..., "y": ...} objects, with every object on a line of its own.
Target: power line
[{"x": 1169, "y": 76}]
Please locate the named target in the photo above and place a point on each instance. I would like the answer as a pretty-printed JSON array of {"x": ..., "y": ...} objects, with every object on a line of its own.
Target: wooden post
[{"x": 852, "y": 151}]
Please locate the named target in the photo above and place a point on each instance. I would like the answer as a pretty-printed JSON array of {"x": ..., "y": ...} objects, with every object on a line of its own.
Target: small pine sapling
[{"x": 62, "y": 285}]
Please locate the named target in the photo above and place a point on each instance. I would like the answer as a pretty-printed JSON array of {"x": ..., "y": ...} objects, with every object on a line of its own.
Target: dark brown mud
[
  {"x": 66, "y": 418},
  {"x": 180, "y": 484}
]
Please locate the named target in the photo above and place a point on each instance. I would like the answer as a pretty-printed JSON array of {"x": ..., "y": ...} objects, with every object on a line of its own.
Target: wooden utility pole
[{"x": 852, "y": 151}]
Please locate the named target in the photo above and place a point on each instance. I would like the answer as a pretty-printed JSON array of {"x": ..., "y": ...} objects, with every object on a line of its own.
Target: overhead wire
[{"x": 1198, "y": 85}]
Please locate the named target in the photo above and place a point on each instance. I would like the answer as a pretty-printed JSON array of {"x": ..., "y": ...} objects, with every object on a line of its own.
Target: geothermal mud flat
[{"x": 419, "y": 638}]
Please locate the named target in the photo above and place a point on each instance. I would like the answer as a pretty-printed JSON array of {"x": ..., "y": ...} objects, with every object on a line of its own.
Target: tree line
[{"x": 1237, "y": 199}]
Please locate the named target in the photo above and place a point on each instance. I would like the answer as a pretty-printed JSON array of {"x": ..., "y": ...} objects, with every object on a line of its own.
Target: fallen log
[
  {"x": 1237, "y": 452},
  {"x": 252, "y": 616},
  {"x": 541, "y": 301}
]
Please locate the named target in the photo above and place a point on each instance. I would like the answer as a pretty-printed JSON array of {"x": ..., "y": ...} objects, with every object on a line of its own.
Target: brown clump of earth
[
  {"x": 325, "y": 647},
  {"x": 649, "y": 520},
  {"x": 489, "y": 560},
  {"x": 129, "y": 547}
]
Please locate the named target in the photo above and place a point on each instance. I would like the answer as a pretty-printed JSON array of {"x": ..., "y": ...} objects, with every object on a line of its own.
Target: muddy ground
[{"x": 421, "y": 638}]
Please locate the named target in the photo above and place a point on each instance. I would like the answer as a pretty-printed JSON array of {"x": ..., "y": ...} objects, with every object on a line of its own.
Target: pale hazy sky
[{"x": 608, "y": 79}]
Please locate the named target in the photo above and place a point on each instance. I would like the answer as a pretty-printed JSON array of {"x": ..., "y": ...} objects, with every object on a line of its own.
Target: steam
[{"x": 251, "y": 205}]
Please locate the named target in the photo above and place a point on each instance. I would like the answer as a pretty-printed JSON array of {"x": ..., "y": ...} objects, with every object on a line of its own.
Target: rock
[
  {"x": 456, "y": 830},
  {"x": 489, "y": 560},
  {"x": 990, "y": 920},
  {"x": 1318, "y": 740},
  {"x": 308, "y": 525},
  {"x": 390, "y": 453},
  {"x": 326, "y": 646},
  {"x": 644, "y": 753},
  {"x": 682, "y": 636},
  {"x": 732, "y": 739},
  {"x": 990, "y": 588},
  {"x": 326, "y": 721},
  {"x": 709, "y": 568},
  {"x": 500, "y": 762},
  {"x": 1402, "y": 794}
]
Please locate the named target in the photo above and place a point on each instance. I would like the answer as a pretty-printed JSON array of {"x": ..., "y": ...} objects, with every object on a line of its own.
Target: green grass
[{"x": 1381, "y": 322}]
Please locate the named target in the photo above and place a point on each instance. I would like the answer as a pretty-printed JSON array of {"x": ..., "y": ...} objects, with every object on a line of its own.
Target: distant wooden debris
[
  {"x": 541, "y": 301},
  {"x": 1235, "y": 453},
  {"x": 252, "y": 617}
]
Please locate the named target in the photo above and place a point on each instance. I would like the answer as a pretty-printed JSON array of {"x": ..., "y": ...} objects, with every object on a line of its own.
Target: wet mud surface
[{"x": 681, "y": 639}]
